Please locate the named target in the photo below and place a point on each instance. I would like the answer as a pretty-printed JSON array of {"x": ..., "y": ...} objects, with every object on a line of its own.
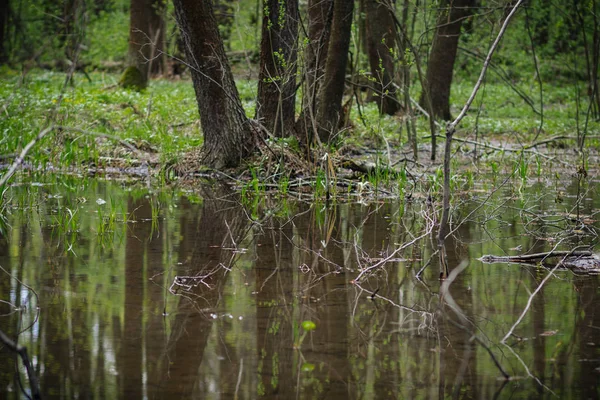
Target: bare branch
[
  {"x": 19, "y": 160},
  {"x": 22, "y": 352},
  {"x": 486, "y": 63},
  {"x": 530, "y": 300}
]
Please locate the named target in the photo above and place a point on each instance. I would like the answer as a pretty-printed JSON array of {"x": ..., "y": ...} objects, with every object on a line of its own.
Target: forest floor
[{"x": 101, "y": 129}]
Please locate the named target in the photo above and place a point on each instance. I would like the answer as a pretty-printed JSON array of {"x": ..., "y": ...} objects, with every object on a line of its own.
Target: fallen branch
[
  {"x": 555, "y": 138},
  {"x": 98, "y": 134},
  {"x": 19, "y": 160},
  {"x": 528, "y": 258}
]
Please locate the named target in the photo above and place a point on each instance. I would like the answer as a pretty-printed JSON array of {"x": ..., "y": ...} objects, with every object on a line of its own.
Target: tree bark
[
  {"x": 332, "y": 90},
  {"x": 438, "y": 79},
  {"x": 157, "y": 29},
  {"x": 320, "y": 13},
  {"x": 4, "y": 12},
  {"x": 381, "y": 43},
  {"x": 276, "y": 103},
  {"x": 147, "y": 37},
  {"x": 226, "y": 129}
]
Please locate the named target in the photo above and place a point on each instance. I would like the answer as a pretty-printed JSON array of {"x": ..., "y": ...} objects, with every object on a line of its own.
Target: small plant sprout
[
  {"x": 307, "y": 326},
  {"x": 523, "y": 168}
]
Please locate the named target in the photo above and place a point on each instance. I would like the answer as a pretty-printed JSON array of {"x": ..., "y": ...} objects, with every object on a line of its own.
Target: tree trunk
[
  {"x": 4, "y": 11},
  {"x": 146, "y": 38},
  {"x": 225, "y": 127},
  {"x": 320, "y": 13},
  {"x": 157, "y": 28},
  {"x": 332, "y": 90},
  {"x": 381, "y": 45},
  {"x": 438, "y": 78},
  {"x": 276, "y": 101}
]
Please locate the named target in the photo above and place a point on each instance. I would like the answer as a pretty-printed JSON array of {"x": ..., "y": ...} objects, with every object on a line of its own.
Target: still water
[{"x": 122, "y": 292}]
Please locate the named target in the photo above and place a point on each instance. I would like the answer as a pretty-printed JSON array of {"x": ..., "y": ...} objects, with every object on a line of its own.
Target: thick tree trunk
[
  {"x": 381, "y": 43},
  {"x": 147, "y": 37},
  {"x": 224, "y": 124},
  {"x": 276, "y": 101},
  {"x": 438, "y": 79},
  {"x": 320, "y": 13},
  {"x": 332, "y": 90}
]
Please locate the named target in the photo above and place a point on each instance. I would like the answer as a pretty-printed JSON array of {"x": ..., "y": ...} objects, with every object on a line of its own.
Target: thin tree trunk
[
  {"x": 320, "y": 13},
  {"x": 331, "y": 93},
  {"x": 157, "y": 28},
  {"x": 225, "y": 127},
  {"x": 146, "y": 37},
  {"x": 278, "y": 56},
  {"x": 381, "y": 43},
  {"x": 404, "y": 41},
  {"x": 4, "y": 12},
  {"x": 595, "y": 95},
  {"x": 444, "y": 229},
  {"x": 438, "y": 79},
  {"x": 138, "y": 53}
]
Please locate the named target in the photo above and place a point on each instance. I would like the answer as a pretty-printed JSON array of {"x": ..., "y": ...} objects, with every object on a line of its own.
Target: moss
[{"x": 133, "y": 78}]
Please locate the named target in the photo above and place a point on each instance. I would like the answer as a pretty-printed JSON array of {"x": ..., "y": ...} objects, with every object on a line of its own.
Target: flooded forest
[{"x": 299, "y": 199}]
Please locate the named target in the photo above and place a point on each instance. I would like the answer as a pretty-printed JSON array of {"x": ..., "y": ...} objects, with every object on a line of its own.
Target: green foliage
[
  {"x": 162, "y": 118},
  {"x": 107, "y": 38}
]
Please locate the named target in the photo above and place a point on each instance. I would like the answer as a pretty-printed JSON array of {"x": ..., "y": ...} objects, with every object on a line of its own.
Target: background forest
[{"x": 542, "y": 81}]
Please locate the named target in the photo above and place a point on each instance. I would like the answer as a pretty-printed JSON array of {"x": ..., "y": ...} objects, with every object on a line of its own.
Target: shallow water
[{"x": 120, "y": 292}]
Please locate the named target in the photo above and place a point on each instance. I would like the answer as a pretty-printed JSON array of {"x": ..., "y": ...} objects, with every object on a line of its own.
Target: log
[
  {"x": 529, "y": 258},
  {"x": 574, "y": 260}
]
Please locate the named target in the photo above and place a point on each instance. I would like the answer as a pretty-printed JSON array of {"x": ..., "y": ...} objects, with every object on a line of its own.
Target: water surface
[{"x": 121, "y": 292}]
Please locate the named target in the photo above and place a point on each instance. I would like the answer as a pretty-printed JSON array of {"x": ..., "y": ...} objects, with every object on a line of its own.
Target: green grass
[{"x": 164, "y": 117}]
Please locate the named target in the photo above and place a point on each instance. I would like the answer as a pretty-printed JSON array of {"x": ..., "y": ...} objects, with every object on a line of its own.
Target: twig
[
  {"x": 239, "y": 380},
  {"x": 535, "y": 378},
  {"x": 105, "y": 135},
  {"x": 393, "y": 254},
  {"x": 537, "y": 74},
  {"x": 19, "y": 160},
  {"x": 489, "y": 196},
  {"x": 555, "y": 138},
  {"x": 530, "y": 300},
  {"x": 451, "y": 127},
  {"x": 373, "y": 295},
  {"x": 486, "y": 63}
]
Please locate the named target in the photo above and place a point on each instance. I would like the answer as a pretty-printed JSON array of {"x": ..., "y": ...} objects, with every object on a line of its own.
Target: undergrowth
[{"x": 99, "y": 120}]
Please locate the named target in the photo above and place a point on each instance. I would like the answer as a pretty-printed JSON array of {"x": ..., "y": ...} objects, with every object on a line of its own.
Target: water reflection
[{"x": 158, "y": 295}]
